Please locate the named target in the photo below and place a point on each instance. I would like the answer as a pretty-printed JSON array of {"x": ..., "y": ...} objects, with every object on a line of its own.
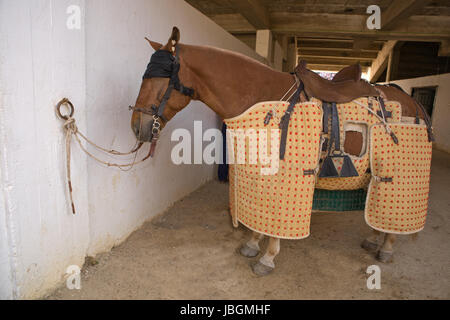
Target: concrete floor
[{"x": 190, "y": 252}]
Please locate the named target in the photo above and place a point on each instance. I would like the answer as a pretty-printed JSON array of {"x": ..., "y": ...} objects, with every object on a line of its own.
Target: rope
[
  {"x": 136, "y": 147},
  {"x": 382, "y": 119},
  {"x": 289, "y": 90},
  {"x": 273, "y": 112},
  {"x": 71, "y": 130}
]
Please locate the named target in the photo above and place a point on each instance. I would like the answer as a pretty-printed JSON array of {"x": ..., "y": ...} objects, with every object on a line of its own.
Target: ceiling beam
[
  {"x": 337, "y": 61},
  {"x": 416, "y": 28},
  {"x": 331, "y": 67},
  {"x": 351, "y": 55},
  {"x": 333, "y": 61},
  {"x": 325, "y": 45},
  {"x": 360, "y": 44},
  {"x": 233, "y": 22},
  {"x": 342, "y": 40},
  {"x": 381, "y": 62},
  {"x": 399, "y": 11},
  {"x": 254, "y": 11}
]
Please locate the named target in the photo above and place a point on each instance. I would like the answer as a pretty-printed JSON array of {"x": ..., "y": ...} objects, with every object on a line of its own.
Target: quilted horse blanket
[
  {"x": 397, "y": 199},
  {"x": 267, "y": 195},
  {"x": 274, "y": 197}
]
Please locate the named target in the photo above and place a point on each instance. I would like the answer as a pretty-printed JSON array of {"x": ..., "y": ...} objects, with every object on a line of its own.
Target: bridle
[{"x": 163, "y": 64}]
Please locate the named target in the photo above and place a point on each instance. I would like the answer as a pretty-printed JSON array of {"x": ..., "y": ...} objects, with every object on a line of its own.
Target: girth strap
[
  {"x": 326, "y": 116},
  {"x": 383, "y": 112},
  {"x": 284, "y": 123},
  {"x": 427, "y": 120},
  {"x": 335, "y": 132}
]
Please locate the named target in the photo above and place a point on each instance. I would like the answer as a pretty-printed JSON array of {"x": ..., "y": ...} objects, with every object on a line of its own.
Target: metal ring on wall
[{"x": 67, "y": 102}]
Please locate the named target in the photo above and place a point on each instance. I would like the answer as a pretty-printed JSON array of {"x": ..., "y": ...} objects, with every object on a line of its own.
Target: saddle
[
  {"x": 346, "y": 85},
  {"x": 350, "y": 73}
]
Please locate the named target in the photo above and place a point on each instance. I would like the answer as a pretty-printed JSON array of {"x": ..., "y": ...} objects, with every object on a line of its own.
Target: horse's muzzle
[{"x": 142, "y": 127}]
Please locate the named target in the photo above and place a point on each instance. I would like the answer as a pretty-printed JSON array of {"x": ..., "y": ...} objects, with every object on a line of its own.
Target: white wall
[
  {"x": 99, "y": 68},
  {"x": 40, "y": 62},
  {"x": 441, "y": 112}
]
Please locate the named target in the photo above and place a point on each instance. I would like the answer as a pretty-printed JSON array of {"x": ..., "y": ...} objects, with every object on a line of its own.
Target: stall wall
[
  {"x": 99, "y": 68},
  {"x": 41, "y": 61},
  {"x": 441, "y": 112}
]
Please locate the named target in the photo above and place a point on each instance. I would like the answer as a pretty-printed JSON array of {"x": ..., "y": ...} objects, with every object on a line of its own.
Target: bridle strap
[
  {"x": 164, "y": 100},
  {"x": 174, "y": 83}
]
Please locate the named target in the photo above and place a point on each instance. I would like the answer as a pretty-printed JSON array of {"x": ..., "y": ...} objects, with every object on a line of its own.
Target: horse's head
[{"x": 162, "y": 94}]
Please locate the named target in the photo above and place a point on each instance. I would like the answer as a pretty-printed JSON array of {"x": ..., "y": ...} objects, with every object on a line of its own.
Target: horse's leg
[
  {"x": 387, "y": 250},
  {"x": 372, "y": 242},
  {"x": 265, "y": 265},
  {"x": 251, "y": 248}
]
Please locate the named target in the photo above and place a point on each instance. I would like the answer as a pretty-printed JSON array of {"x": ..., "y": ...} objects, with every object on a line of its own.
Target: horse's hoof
[
  {"x": 384, "y": 256},
  {"x": 261, "y": 269},
  {"x": 369, "y": 246},
  {"x": 248, "y": 252}
]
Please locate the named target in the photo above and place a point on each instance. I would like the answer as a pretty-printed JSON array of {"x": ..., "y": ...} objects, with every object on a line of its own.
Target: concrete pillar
[
  {"x": 278, "y": 56},
  {"x": 264, "y": 44},
  {"x": 393, "y": 61},
  {"x": 291, "y": 60}
]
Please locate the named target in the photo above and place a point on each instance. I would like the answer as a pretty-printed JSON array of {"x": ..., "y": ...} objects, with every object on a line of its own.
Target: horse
[{"x": 229, "y": 83}]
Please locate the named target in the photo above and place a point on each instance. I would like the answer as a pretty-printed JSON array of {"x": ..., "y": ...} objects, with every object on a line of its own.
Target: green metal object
[{"x": 339, "y": 200}]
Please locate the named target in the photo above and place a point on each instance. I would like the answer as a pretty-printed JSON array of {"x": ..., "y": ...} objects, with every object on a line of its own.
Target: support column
[
  {"x": 393, "y": 61},
  {"x": 291, "y": 55},
  {"x": 444, "y": 49},
  {"x": 277, "y": 56},
  {"x": 264, "y": 44}
]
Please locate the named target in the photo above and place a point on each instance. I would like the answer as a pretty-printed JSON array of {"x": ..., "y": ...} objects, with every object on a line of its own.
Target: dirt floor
[{"x": 190, "y": 252}]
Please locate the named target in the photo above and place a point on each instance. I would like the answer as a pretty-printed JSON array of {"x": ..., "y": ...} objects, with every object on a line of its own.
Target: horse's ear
[
  {"x": 155, "y": 45},
  {"x": 174, "y": 39}
]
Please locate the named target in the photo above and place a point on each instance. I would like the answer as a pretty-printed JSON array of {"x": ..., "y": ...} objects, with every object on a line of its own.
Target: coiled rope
[{"x": 71, "y": 130}]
